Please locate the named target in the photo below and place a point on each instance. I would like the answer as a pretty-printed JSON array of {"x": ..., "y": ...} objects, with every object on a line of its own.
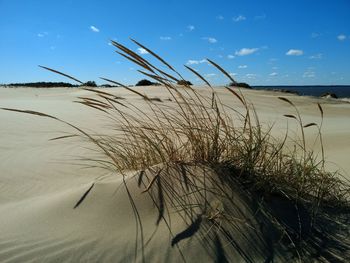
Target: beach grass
[{"x": 286, "y": 188}]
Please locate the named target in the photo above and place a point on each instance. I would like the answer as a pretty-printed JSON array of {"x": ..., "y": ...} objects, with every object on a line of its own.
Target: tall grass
[{"x": 165, "y": 141}]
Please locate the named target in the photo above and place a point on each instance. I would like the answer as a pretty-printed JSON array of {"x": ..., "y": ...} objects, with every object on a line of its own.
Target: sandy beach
[{"x": 42, "y": 180}]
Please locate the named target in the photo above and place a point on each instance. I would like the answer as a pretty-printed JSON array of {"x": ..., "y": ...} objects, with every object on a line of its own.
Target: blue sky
[{"x": 260, "y": 42}]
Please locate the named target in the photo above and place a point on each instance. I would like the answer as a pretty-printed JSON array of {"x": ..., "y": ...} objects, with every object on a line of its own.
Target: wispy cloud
[
  {"x": 250, "y": 76},
  {"x": 142, "y": 51},
  {"x": 42, "y": 34},
  {"x": 315, "y": 35},
  {"x": 242, "y": 66},
  {"x": 230, "y": 56},
  {"x": 309, "y": 73},
  {"x": 196, "y": 62},
  {"x": 210, "y": 75},
  {"x": 273, "y": 74},
  {"x": 94, "y": 29},
  {"x": 260, "y": 17},
  {"x": 233, "y": 74},
  {"x": 211, "y": 40},
  {"x": 239, "y": 18},
  {"x": 246, "y": 51},
  {"x": 294, "y": 52},
  {"x": 220, "y": 17},
  {"x": 190, "y": 27},
  {"x": 316, "y": 56},
  {"x": 165, "y": 38},
  {"x": 341, "y": 37}
]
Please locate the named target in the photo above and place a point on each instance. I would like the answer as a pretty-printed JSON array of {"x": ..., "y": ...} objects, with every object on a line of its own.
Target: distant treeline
[{"x": 42, "y": 84}]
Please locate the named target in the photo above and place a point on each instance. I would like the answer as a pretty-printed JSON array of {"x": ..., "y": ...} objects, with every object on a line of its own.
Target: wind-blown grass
[{"x": 166, "y": 140}]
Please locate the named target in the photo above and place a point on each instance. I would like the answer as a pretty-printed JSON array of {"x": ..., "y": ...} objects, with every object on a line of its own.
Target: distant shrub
[
  {"x": 90, "y": 84},
  {"x": 184, "y": 82},
  {"x": 144, "y": 82},
  {"x": 107, "y": 86},
  {"x": 240, "y": 84}
]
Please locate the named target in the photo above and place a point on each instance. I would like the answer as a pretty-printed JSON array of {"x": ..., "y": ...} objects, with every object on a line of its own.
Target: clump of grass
[{"x": 165, "y": 141}]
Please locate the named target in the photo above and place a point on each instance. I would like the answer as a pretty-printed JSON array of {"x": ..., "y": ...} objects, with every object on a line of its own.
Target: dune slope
[{"x": 41, "y": 181}]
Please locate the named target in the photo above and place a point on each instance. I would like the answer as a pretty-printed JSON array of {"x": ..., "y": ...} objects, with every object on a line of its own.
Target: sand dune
[{"x": 41, "y": 181}]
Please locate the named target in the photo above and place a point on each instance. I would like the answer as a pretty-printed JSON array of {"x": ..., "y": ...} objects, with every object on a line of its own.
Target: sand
[{"x": 42, "y": 180}]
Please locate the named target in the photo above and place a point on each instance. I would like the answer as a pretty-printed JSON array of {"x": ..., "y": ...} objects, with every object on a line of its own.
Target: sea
[{"x": 342, "y": 91}]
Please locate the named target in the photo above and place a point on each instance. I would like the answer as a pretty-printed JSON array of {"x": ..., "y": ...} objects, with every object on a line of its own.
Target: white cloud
[
  {"x": 341, "y": 37},
  {"x": 220, "y": 17},
  {"x": 190, "y": 27},
  {"x": 142, "y": 51},
  {"x": 246, "y": 51},
  {"x": 239, "y": 18},
  {"x": 232, "y": 74},
  {"x": 94, "y": 29},
  {"x": 196, "y": 62},
  {"x": 42, "y": 34},
  {"x": 165, "y": 38},
  {"x": 273, "y": 74},
  {"x": 294, "y": 52},
  {"x": 230, "y": 56},
  {"x": 211, "y": 40},
  {"x": 316, "y": 56},
  {"x": 242, "y": 66},
  {"x": 192, "y": 62},
  {"x": 210, "y": 75}
]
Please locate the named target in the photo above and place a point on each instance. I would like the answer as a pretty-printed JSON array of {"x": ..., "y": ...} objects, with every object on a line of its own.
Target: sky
[{"x": 262, "y": 42}]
